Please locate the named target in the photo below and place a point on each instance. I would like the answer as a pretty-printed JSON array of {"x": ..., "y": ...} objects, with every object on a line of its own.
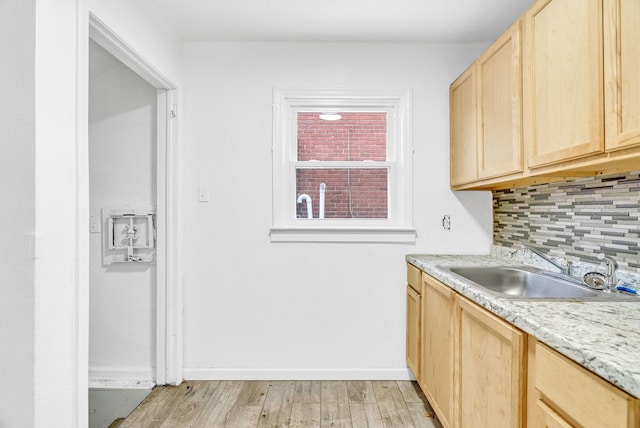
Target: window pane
[
  {"x": 349, "y": 192},
  {"x": 354, "y": 137}
]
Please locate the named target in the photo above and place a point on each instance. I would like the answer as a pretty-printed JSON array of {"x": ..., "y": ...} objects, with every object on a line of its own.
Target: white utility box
[{"x": 130, "y": 235}]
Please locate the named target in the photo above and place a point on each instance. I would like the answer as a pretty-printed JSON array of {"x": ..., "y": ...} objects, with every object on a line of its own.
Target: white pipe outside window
[
  {"x": 306, "y": 198},
  {"x": 323, "y": 188}
]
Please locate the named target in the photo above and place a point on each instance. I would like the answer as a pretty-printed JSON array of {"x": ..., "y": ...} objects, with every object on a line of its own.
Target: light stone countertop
[{"x": 603, "y": 337}]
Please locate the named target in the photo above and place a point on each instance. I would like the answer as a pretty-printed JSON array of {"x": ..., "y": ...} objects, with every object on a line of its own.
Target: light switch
[
  {"x": 94, "y": 224},
  {"x": 203, "y": 193}
]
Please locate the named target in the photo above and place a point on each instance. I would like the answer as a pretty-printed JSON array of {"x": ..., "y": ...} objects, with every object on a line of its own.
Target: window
[{"x": 342, "y": 166}]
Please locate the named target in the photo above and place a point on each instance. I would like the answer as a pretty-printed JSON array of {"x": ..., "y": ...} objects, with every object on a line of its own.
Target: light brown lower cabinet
[
  {"x": 478, "y": 371},
  {"x": 568, "y": 395},
  {"x": 437, "y": 347},
  {"x": 413, "y": 330},
  {"x": 490, "y": 371},
  {"x": 472, "y": 363},
  {"x": 414, "y": 319}
]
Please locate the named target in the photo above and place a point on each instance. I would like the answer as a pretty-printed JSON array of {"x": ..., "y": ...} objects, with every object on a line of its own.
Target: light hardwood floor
[{"x": 225, "y": 404}]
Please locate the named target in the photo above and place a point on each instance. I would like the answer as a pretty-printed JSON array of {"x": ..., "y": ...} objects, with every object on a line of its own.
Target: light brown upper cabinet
[
  {"x": 563, "y": 81},
  {"x": 463, "y": 131},
  {"x": 499, "y": 72},
  {"x": 622, "y": 73},
  {"x": 580, "y": 94}
]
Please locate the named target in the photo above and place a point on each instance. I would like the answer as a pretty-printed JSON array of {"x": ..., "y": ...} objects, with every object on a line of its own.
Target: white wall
[
  {"x": 38, "y": 130},
  {"x": 122, "y": 164},
  {"x": 256, "y": 309},
  {"x": 59, "y": 247},
  {"x": 17, "y": 191}
]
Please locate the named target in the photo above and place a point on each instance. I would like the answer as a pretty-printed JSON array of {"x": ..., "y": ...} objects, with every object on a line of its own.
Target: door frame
[{"x": 168, "y": 286}]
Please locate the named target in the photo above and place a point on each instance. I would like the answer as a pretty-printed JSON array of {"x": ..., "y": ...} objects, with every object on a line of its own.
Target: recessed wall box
[{"x": 130, "y": 235}]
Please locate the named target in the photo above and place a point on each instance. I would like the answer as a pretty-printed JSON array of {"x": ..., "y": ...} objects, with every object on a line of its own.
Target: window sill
[{"x": 334, "y": 234}]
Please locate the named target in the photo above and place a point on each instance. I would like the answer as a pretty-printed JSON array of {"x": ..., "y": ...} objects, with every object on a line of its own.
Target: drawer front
[
  {"x": 580, "y": 395},
  {"x": 414, "y": 276}
]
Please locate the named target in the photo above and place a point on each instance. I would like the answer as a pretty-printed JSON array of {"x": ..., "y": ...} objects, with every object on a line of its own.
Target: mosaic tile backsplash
[{"x": 576, "y": 219}]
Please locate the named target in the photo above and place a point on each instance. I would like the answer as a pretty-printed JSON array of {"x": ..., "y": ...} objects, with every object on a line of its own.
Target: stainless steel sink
[{"x": 529, "y": 283}]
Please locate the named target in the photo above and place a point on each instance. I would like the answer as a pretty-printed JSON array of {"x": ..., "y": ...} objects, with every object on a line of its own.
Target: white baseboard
[
  {"x": 297, "y": 374},
  {"x": 122, "y": 377}
]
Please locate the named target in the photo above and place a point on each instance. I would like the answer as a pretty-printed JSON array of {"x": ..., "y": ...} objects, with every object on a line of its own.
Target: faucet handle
[{"x": 569, "y": 267}]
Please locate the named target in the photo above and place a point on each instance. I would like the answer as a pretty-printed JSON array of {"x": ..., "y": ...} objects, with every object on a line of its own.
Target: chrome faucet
[
  {"x": 565, "y": 267},
  {"x": 611, "y": 267}
]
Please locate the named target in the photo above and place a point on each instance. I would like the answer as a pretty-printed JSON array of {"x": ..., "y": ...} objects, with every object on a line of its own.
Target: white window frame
[{"x": 398, "y": 227}]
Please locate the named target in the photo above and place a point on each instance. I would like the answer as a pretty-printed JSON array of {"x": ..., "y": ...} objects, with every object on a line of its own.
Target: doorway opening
[
  {"x": 134, "y": 323},
  {"x": 122, "y": 174}
]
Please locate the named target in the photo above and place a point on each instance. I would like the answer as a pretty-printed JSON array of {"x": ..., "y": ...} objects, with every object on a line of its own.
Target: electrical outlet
[
  {"x": 203, "y": 194},
  {"x": 446, "y": 222}
]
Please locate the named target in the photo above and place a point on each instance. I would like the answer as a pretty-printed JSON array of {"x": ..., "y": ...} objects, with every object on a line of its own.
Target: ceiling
[{"x": 439, "y": 21}]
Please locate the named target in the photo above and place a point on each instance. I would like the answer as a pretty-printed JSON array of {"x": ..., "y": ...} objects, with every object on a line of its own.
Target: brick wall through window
[{"x": 350, "y": 192}]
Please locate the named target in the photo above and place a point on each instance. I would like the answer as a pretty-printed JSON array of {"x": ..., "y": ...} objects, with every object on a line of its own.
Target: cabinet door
[
  {"x": 463, "y": 132},
  {"x": 551, "y": 419},
  {"x": 563, "y": 81},
  {"x": 622, "y": 76},
  {"x": 413, "y": 331},
  {"x": 500, "y": 106},
  {"x": 490, "y": 369},
  {"x": 437, "y": 354}
]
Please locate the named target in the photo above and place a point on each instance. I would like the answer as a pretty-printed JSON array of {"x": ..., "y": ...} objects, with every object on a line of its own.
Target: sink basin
[{"x": 529, "y": 283}]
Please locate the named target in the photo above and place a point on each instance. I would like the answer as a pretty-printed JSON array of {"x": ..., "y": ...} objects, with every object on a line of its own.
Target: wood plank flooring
[{"x": 292, "y": 404}]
